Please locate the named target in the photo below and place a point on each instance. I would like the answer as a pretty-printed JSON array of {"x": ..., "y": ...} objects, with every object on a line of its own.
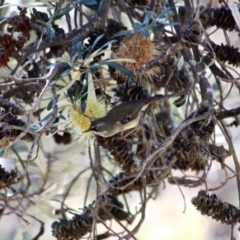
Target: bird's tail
[{"x": 160, "y": 97}]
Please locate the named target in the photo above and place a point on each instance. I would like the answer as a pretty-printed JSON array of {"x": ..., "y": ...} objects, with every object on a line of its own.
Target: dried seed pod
[
  {"x": 218, "y": 152},
  {"x": 112, "y": 205},
  {"x": 191, "y": 150},
  {"x": 121, "y": 151},
  {"x": 12, "y": 120},
  {"x": 219, "y": 17},
  {"x": 129, "y": 91},
  {"x": 113, "y": 27},
  {"x": 191, "y": 145},
  {"x": 81, "y": 224},
  {"x": 226, "y": 53},
  {"x": 121, "y": 180},
  {"x": 203, "y": 128},
  {"x": 7, "y": 131},
  {"x": 117, "y": 212},
  {"x": 213, "y": 206},
  {"x": 117, "y": 184},
  {"x": 172, "y": 79},
  {"x": 7, "y": 178},
  {"x": 77, "y": 227}
]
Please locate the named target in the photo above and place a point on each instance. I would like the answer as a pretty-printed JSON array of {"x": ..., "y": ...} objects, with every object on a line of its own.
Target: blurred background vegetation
[{"x": 63, "y": 63}]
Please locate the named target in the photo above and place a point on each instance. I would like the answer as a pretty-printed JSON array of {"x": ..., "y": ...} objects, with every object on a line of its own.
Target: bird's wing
[{"x": 132, "y": 111}]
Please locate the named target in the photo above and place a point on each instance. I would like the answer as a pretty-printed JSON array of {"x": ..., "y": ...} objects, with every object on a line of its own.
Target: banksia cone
[
  {"x": 192, "y": 144},
  {"x": 121, "y": 151},
  {"x": 129, "y": 91},
  {"x": 192, "y": 147},
  {"x": 118, "y": 184},
  {"x": 12, "y": 120},
  {"x": 81, "y": 224},
  {"x": 140, "y": 49},
  {"x": 112, "y": 205},
  {"x": 218, "y": 152},
  {"x": 7, "y": 131},
  {"x": 113, "y": 27},
  {"x": 7, "y": 178},
  {"x": 72, "y": 229},
  {"x": 219, "y": 17},
  {"x": 203, "y": 128},
  {"x": 213, "y": 206},
  {"x": 120, "y": 181},
  {"x": 171, "y": 79},
  {"x": 226, "y": 53},
  {"x": 191, "y": 150}
]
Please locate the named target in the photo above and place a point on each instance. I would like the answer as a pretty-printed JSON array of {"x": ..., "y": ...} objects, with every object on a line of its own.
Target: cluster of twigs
[{"x": 173, "y": 53}]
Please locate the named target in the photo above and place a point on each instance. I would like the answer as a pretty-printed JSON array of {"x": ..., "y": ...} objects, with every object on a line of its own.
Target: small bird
[{"x": 122, "y": 117}]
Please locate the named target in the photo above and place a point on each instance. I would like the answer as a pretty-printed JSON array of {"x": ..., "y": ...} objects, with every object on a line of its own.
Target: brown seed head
[{"x": 139, "y": 48}]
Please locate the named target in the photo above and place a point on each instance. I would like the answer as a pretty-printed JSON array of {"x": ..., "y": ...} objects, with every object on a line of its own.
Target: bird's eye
[
  {"x": 126, "y": 119},
  {"x": 93, "y": 128}
]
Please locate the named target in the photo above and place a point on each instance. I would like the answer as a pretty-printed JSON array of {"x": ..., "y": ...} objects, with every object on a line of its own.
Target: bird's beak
[{"x": 87, "y": 131}]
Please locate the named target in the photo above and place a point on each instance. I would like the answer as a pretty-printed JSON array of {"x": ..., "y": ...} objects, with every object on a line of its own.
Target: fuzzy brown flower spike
[{"x": 140, "y": 49}]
